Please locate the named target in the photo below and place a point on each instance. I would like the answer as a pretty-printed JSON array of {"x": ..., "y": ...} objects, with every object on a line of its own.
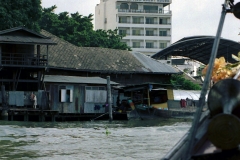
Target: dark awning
[
  {"x": 147, "y": 86},
  {"x": 199, "y": 48}
]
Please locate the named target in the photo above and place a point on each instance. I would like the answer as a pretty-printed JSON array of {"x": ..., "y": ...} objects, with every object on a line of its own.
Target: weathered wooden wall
[
  {"x": 22, "y": 99},
  {"x": 83, "y": 101}
]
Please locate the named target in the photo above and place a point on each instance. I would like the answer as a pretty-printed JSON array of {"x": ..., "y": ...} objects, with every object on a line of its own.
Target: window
[
  {"x": 162, "y": 21},
  {"x": 150, "y": 9},
  {"x": 149, "y": 45},
  {"x": 134, "y": 6},
  {"x": 136, "y": 20},
  {"x": 122, "y": 19},
  {"x": 163, "y": 45},
  {"x": 65, "y": 95},
  {"x": 149, "y": 20},
  {"x": 160, "y": 10},
  {"x": 122, "y": 32},
  {"x": 95, "y": 88},
  {"x": 149, "y": 33},
  {"x": 136, "y": 44},
  {"x": 162, "y": 33},
  {"x": 124, "y": 6},
  {"x": 136, "y": 32},
  {"x": 101, "y": 88}
]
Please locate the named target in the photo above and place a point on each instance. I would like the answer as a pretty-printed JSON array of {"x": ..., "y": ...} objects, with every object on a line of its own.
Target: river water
[{"x": 101, "y": 140}]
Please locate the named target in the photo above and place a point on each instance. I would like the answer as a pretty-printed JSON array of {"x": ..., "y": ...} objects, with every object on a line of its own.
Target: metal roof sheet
[
  {"x": 69, "y": 56},
  {"x": 199, "y": 48},
  {"x": 152, "y": 65},
  {"x": 75, "y": 79}
]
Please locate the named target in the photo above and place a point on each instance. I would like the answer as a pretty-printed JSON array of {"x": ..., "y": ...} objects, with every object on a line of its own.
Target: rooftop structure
[{"x": 146, "y": 24}]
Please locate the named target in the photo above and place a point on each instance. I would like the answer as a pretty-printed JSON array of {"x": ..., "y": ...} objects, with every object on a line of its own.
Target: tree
[
  {"x": 78, "y": 30},
  {"x": 184, "y": 83},
  {"x": 108, "y": 39},
  {"x": 20, "y": 13}
]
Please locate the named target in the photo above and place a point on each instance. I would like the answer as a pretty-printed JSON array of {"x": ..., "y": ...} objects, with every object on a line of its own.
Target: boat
[
  {"x": 215, "y": 133},
  {"x": 142, "y": 100}
]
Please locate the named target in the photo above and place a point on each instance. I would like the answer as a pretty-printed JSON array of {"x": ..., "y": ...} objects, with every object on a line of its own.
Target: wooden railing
[{"x": 23, "y": 59}]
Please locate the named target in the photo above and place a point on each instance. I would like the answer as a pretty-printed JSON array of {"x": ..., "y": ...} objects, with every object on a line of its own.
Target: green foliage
[
  {"x": 78, "y": 30},
  {"x": 74, "y": 28},
  {"x": 184, "y": 83},
  {"x": 20, "y": 13}
]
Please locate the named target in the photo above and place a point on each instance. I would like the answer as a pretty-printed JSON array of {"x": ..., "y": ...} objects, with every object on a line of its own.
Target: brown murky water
[{"x": 128, "y": 140}]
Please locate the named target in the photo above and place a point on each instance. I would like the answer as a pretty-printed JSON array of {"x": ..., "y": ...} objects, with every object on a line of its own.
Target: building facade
[{"x": 146, "y": 24}]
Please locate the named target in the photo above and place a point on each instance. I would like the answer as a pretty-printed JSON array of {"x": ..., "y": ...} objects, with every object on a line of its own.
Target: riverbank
[{"x": 38, "y": 115}]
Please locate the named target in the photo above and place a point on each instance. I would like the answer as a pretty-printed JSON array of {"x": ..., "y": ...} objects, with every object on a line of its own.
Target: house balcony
[
  {"x": 137, "y": 47},
  {"x": 20, "y": 59},
  {"x": 151, "y": 34},
  {"x": 139, "y": 11},
  {"x": 147, "y": 47},
  {"x": 150, "y": 1},
  {"x": 137, "y": 22},
  {"x": 138, "y": 34},
  {"x": 126, "y": 22}
]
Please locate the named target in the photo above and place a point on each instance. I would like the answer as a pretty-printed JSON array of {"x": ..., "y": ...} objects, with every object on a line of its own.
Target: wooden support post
[
  {"x": 109, "y": 98},
  {"x": 148, "y": 98},
  {"x": 11, "y": 116},
  {"x": 14, "y": 81},
  {"x": 38, "y": 54},
  {"x": 39, "y": 80},
  {"x": 0, "y": 54},
  {"x": 47, "y": 56},
  {"x": 53, "y": 118},
  {"x": 41, "y": 118},
  {"x": 26, "y": 116},
  {"x": 4, "y": 114}
]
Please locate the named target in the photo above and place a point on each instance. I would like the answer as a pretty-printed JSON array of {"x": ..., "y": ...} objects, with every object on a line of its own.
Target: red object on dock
[{"x": 183, "y": 103}]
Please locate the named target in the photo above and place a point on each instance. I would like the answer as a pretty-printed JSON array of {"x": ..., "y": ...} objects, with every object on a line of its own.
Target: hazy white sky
[{"x": 189, "y": 17}]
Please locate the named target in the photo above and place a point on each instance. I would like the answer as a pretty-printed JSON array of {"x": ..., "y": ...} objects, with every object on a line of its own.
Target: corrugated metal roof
[
  {"x": 22, "y": 35},
  {"x": 69, "y": 56},
  {"x": 184, "y": 94},
  {"x": 152, "y": 65},
  {"x": 75, "y": 79}
]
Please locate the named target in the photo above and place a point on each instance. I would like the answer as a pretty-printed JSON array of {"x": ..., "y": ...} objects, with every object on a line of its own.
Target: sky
[{"x": 189, "y": 17}]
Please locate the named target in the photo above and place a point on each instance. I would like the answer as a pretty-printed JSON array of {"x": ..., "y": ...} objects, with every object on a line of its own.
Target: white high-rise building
[{"x": 146, "y": 23}]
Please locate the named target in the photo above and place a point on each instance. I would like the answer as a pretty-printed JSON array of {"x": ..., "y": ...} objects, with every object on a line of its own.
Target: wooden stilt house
[{"x": 22, "y": 64}]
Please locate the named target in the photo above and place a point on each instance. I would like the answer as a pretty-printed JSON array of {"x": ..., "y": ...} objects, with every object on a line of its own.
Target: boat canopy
[{"x": 184, "y": 94}]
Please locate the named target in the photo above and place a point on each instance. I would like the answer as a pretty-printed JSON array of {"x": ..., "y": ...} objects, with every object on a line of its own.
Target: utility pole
[{"x": 109, "y": 99}]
